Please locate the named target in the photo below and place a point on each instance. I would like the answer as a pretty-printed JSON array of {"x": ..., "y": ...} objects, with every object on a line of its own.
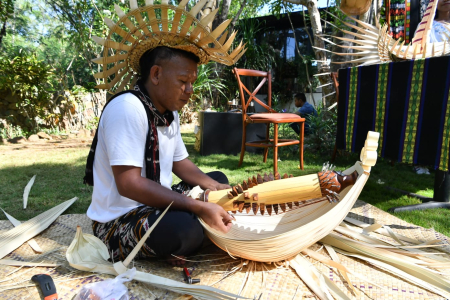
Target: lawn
[{"x": 60, "y": 170}]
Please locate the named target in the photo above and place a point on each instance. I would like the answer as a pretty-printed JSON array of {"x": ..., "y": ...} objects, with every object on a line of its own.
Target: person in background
[
  {"x": 305, "y": 110},
  {"x": 441, "y": 24}
]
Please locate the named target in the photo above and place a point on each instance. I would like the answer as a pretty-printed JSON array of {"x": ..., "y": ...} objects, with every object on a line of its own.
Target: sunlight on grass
[{"x": 60, "y": 174}]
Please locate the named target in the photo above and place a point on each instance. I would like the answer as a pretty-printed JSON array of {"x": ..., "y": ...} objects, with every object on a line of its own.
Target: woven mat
[{"x": 277, "y": 283}]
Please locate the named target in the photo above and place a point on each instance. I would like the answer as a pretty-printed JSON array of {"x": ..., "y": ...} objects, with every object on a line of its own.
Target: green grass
[{"x": 60, "y": 172}]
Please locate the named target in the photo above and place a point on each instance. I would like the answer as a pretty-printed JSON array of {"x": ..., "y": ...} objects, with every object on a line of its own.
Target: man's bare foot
[{"x": 176, "y": 261}]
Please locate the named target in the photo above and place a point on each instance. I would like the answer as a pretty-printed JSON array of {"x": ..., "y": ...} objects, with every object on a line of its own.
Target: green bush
[
  {"x": 323, "y": 130},
  {"x": 25, "y": 83}
]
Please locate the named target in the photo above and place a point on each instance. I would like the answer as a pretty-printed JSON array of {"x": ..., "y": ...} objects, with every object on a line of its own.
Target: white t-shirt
[
  {"x": 438, "y": 31},
  {"x": 122, "y": 133}
]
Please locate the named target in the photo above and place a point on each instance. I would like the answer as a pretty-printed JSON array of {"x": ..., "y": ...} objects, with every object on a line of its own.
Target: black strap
[{"x": 89, "y": 171}]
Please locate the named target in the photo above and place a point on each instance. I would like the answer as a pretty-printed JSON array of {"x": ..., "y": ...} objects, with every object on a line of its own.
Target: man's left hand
[{"x": 219, "y": 186}]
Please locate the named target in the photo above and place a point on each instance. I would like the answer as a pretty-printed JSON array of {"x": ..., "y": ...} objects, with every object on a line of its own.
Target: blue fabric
[{"x": 305, "y": 111}]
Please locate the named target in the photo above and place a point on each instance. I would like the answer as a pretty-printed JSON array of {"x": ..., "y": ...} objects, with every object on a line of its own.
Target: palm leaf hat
[{"x": 153, "y": 25}]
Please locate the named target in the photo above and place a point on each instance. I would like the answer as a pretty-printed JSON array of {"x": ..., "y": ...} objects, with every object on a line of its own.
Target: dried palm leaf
[
  {"x": 32, "y": 243},
  {"x": 9, "y": 262},
  {"x": 88, "y": 253},
  {"x": 26, "y": 191},
  {"x": 14, "y": 238},
  {"x": 403, "y": 266}
]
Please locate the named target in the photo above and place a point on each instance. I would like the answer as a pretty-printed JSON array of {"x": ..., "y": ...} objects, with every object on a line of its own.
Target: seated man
[
  {"x": 136, "y": 153},
  {"x": 305, "y": 110}
]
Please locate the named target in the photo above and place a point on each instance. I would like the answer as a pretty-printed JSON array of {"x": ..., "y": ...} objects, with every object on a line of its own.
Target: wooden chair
[{"x": 271, "y": 117}]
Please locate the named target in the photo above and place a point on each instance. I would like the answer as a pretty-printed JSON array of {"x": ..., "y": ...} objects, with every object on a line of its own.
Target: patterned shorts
[{"x": 122, "y": 234}]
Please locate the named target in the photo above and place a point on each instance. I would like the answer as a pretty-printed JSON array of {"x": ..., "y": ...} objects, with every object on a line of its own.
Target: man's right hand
[{"x": 215, "y": 216}]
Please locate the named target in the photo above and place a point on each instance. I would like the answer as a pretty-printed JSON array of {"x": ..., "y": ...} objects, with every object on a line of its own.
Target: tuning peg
[
  {"x": 241, "y": 206},
  {"x": 266, "y": 178},
  {"x": 250, "y": 183},
  {"x": 255, "y": 197},
  {"x": 246, "y": 195},
  {"x": 233, "y": 211},
  {"x": 234, "y": 191},
  {"x": 259, "y": 179},
  {"x": 275, "y": 208},
  {"x": 289, "y": 204},
  {"x": 296, "y": 203},
  {"x": 291, "y": 176},
  {"x": 235, "y": 205},
  {"x": 262, "y": 208},
  {"x": 244, "y": 185},
  {"x": 239, "y": 189},
  {"x": 255, "y": 208},
  {"x": 283, "y": 206},
  {"x": 230, "y": 195},
  {"x": 255, "y": 182},
  {"x": 285, "y": 176},
  {"x": 277, "y": 176},
  {"x": 271, "y": 178},
  {"x": 269, "y": 209},
  {"x": 247, "y": 207}
]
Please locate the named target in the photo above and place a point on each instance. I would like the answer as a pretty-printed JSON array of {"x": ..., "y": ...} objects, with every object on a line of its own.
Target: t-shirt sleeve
[
  {"x": 125, "y": 129},
  {"x": 180, "y": 152}
]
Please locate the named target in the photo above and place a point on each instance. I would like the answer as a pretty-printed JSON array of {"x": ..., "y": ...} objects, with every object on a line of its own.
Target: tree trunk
[
  {"x": 322, "y": 64},
  {"x": 223, "y": 13},
  {"x": 2, "y": 33}
]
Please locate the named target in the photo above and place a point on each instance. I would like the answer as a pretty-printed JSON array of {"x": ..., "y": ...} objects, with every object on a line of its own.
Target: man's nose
[{"x": 189, "y": 89}]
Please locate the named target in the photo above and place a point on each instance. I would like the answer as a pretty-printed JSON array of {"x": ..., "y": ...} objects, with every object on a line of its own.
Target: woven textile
[
  {"x": 404, "y": 17},
  {"x": 407, "y": 102}
]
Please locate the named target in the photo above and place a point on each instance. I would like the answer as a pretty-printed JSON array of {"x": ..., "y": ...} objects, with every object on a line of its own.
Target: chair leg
[
  {"x": 275, "y": 148},
  {"x": 300, "y": 146},
  {"x": 244, "y": 139},
  {"x": 266, "y": 150}
]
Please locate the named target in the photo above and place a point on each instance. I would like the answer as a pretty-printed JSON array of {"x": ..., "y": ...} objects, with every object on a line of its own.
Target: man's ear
[{"x": 155, "y": 74}]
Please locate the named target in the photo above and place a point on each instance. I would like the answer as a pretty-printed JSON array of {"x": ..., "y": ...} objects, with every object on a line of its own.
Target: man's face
[
  {"x": 298, "y": 102},
  {"x": 443, "y": 5},
  {"x": 173, "y": 83}
]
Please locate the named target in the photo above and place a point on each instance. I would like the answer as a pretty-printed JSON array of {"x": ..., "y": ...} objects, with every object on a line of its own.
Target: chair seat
[{"x": 275, "y": 118}]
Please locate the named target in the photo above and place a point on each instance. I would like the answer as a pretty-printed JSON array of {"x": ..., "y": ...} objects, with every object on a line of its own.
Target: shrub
[
  {"x": 25, "y": 97},
  {"x": 323, "y": 130}
]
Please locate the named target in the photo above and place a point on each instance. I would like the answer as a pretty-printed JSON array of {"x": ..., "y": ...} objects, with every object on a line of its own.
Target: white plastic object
[{"x": 110, "y": 289}]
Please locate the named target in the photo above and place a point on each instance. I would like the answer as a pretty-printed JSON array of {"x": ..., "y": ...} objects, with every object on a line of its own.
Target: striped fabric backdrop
[{"x": 407, "y": 102}]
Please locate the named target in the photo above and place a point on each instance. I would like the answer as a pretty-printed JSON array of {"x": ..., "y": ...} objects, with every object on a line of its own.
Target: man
[
  {"x": 306, "y": 110},
  {"x": 124, "y": 201},
  {"x": 138, "y": 143}
]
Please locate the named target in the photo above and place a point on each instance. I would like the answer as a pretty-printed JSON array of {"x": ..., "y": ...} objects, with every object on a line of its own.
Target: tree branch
[{"x": 236, "y": 17}]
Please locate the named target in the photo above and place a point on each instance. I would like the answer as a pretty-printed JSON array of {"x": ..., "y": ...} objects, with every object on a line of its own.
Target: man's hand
[
  {"x": 215, "y": 216},
  {"x": 187, "y": 171},
  {"x": 218, "y": 186}
]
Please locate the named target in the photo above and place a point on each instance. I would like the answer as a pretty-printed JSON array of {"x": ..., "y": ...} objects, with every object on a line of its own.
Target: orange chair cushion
[{"x": 275, "y": 118}]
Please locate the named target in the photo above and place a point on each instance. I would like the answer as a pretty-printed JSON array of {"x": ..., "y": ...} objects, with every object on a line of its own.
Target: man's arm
[
  {"x": 132, "y": 185},
  {"x": 187, "y": 171}
]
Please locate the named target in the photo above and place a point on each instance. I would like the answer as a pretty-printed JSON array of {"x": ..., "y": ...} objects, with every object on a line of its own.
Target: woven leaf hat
[
  {"x": 145, "y": 28},
  {"x": 355, "y": 7}
]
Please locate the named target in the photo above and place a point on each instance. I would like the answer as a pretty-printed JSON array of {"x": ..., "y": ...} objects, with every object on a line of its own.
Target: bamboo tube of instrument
[{"x": 273, "y": 192}]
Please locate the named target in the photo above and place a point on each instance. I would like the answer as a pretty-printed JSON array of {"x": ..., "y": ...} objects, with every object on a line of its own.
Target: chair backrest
[{"x": 266, "y": 77}]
